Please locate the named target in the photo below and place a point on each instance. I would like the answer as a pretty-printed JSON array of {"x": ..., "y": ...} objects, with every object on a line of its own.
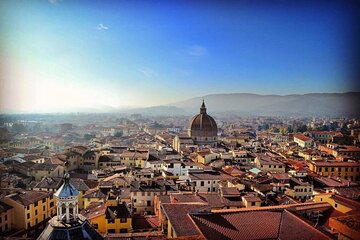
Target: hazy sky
[{"x": 59, "y": 54}]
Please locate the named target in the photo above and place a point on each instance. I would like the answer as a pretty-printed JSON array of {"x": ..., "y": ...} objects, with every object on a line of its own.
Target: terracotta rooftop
[
  {"x": 179, "y": 218},
  {"x": 335, "y": 164},
  {"x": 209, "y": 175},
  {"x": 145, "y": 222},
  {"x": 4, "y": 207},
  {"x": 94, "y": 193},
  {"x": 347, "y": 225},
  {"x": 26, "y": 198},
  {"x": 302, "y": 137},
  {"x": 279, "y": 224}
]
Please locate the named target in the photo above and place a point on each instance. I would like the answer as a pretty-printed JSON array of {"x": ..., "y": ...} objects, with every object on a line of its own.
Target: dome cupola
[{"x": 203, "y": 128}]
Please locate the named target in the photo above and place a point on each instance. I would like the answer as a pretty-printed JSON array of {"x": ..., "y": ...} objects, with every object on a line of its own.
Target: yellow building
[
  {"x": 109, "y": 219},
  {"x": 206, "y": 157},
  {"x": 251, "y": 201},
  {"x": 6, "y": 217},
  {"x": 93, "y": 195},
  {"x": 347, "y": 170},
  {"x": 339, "y": 203},
  {"x": 30, "y": 207},
  {"x": 303, "y": 141},
  {"x": 134, "y": 158}
]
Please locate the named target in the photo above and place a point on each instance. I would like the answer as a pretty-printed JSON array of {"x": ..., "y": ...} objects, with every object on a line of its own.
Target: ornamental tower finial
[{"x": 203, "y": 108}]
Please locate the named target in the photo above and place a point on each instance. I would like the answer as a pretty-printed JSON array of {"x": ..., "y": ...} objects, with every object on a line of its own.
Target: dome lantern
[{"x": 67, "y": 199}]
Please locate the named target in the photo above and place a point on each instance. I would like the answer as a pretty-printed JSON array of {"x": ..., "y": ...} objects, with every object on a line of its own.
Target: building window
[
  {"x": 52, "y": 204},
  {"x": 36, "y": 204},
  {"x": 252, "y": 203},
  {"x": 28, "y": 215},
  {"x": 123, "y": 230},
  {"x": 202, "y": 183},
  {"x": 111, "y": 221},
  {"x": 36, "y": 212},
  {"x": 148, "y": 203},
  {"x": 335, "y": 205},
  {"x": 123, "y": 220},
  {"x": 111, "y": 230}
]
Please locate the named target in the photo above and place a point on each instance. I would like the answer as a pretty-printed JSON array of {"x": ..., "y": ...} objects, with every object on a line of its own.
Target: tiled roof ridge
[
  {"x": 277, "y": 207},
  {"x": 280, "y": 224}
]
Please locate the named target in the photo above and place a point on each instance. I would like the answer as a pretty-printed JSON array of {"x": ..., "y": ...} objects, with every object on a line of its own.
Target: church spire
[{"x": 203, "y": 108}]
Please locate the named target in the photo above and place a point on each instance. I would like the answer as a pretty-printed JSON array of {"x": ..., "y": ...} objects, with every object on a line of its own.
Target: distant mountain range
[
  {"x": 244, "y": 104},
  {"x": 247, "y": 104}
]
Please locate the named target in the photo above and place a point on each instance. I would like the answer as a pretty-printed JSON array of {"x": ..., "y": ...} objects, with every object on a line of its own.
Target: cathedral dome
[{"x": 202, "y": 124}]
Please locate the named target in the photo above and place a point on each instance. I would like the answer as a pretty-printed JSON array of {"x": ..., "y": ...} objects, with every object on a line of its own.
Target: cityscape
[{"x": 179, "y": 120}]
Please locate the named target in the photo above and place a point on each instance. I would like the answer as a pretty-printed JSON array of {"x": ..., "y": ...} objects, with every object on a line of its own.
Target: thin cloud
[
  {"x": 102, "y": 27},
  {"x": 197, "y": 50},
  {"x": 147, "y": 72},
  {"x": 54, "y": 2}
]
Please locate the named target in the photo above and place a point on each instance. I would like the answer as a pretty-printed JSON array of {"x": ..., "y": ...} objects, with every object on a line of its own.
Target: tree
[
  {"x": 88, "y": 136},
  {"x": 18, "y": 128},
  {"x": 303, "y": 128},
  {"x": 118, "y": 134}
]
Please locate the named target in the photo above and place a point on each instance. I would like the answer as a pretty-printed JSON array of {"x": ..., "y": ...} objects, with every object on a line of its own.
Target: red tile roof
[
  {"x": 26, "y": 198},
  {"x": 279, "y": 224},
  {"x": 181, "y": 222},
  {"x": 302, "y": 137},
  {"x": 145, "y": 222}
]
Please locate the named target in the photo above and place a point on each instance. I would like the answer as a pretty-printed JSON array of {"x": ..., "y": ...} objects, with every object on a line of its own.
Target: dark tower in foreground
[{"x": 68, "y": 223}]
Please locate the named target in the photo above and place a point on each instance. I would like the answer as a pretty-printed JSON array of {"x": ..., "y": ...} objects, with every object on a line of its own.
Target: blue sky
[{"x": 59, "y": 54}]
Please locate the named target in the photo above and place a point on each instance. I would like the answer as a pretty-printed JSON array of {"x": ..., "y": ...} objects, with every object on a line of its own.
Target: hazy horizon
[{"x": 59, "y": 54}]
